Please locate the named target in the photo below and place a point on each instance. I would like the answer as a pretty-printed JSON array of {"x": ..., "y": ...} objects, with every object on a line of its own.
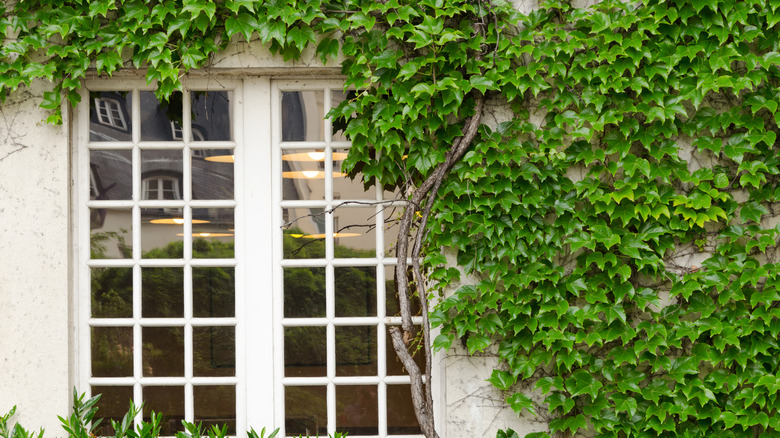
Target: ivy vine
[{"x": 621, "y": 217}]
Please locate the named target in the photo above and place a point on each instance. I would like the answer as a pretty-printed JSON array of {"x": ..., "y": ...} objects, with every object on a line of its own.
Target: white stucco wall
[{"x": 35, "y": 323}]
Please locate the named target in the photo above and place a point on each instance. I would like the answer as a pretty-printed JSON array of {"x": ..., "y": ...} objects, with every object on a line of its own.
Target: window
[
  {"x": 240, "y": 279},
  {"x": 109, "y": 113}
]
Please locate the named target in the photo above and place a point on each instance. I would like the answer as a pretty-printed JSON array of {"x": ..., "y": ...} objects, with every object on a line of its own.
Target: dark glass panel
[
  {"x": 213, "y": 231},
  {"x": 356, "y": 410},
  {"x": 112, "y": 292},
  {"x": 394, "y": 366},
  {"x": 215, "y": 406},
  {"x": 304, "y": 292},
  {"x": 163, "y": 351},
  {"x": 214, "y": 351},
  {"x": 213, "y": 292},
  {"x": 305, "y": 410},
  {"x": 400, "y": 412},
  {"x": 113, "y": 405},
  {"x": 356, "y": 351},
  {"x": 162, "y": 292},
  {"x": 111, "y": 175},
  {"x": 211, "y": 115},
  {"x": 355, "y": 291},
  {"x": 161, "y": 233},
  {"x": 305, "y": 352},
  {"x": 110, "y": 116},
  {"x": 392, "y": 306},
  {"x": 161, "y": 121},
  {"x": 304, "y": 235},
  {"x": 212, "y": 174},
  {"x": 303, "y": 115},
  {"x": 112, "y": 351},
  {"x": 168, "y": 401},
  {"x": 111, "y": 235}
]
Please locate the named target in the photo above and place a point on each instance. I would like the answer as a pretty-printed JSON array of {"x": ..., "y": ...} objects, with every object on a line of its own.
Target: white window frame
[
  {"x": 160, "y": 190},
  {"x": 259, "y": 335}
]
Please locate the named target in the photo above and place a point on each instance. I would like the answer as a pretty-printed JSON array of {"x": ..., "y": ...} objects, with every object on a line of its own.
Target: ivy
[{"x": 620, "y": 217}]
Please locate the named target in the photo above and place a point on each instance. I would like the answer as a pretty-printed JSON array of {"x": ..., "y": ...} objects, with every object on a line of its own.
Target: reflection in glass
[
  {"x": 355, "y": 232},
  {"x": 213, "y": 292},
  {"x": 161, "y": 171},
  {"x": 161, "y": 240},
  {"x": 394, "y": 366},
  {"x": 162, "y": 292},
  {"x": 356, "y": 410},
  {"x": 214, "y": 351},
  {"x": 304, "y": 237},
  {"x": 400, "y": 411},
  {"x": 111, "y": 234},
  {"x": 303, "y": 174},
  {"x": 163, "y": 351},
  {"x": 340, "y": 125},
  {"x": 355, "y": 289},
  {"x": 305, "y": 410},
  {"x": 112, "y": 292},
  {"x": 213, "y": 232},
  {"x": 356, "y": 351},
  {"x": 305, "y": 352},
  {"x": 112, "y": 351},
  {"x": 111, "y": 176},
  {"x": 304, "y": 292},
  {"x": 215, "y": 406},
  {"x": 392, "y": 306},
  {"x": 212, "y": 179},
  {"x": 161, "y": 121},
  {"x": 166, "y": 400},
  {"x": 211, "y": 115},
  {"x": 113, "y": 404},
  {"x": 303, "y": 115},
  {"x": 110, "y": 116},
  {"x": 343, "y": 186}
]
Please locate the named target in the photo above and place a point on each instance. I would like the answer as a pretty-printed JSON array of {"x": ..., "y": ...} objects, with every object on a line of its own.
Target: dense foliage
[{"x": 620, "y": 217}]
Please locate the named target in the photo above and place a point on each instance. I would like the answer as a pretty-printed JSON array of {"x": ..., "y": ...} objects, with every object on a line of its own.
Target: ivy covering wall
[{"x": 621, "y": 219}]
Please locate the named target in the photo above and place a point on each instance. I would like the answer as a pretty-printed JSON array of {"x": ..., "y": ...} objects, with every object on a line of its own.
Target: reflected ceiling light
[
  {"x": 221, "y": 158},
  {"x": 209, "y": 234},
  {"x": 308, "y": 174},
  {"x": 176, "y": 221},
  {"x": 322, "y": 236},
  {"x": 313, "y": 156}
]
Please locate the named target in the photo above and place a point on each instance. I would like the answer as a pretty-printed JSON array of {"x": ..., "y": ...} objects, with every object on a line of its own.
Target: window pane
[
  {"x": 213, "y": 232},
  {"x": 400, "y": 412},
  {"x": 356, "y": 410},
  {"x": 356, "y": 351},
  {"x": 305, "y": 352},
  {"x": 161, "y": 233},
  {"x": 213, "y": 292},
  {"x": 112, "y": 292},
  {"x": 392, "y": 304},
  {"x": 160, "y": 121},
  {"x": 303, "y": 115},
  {"x": 305, "y": 411},
  {"x": 354, "y": 232},
  {"x": 113, "y": 405},
  {"x": 343, "y": 186},
  {"x": 303, "y": 174},
  {"x": 111, "y": 176},
  {"x": 162, "y": 292},
  {"x": 112, "y": 351},
  {"x": 390, "y": 229},
  {"x": 110, "y": 116},
  {"x": 111, "y": 234},
  {"x": 216, "y": 406},
  {"x": 211, "y": 112},
  {"x": 214, "y": 351},
  {"x": 212, "y": 174},
  {"x": 355, "y": 291},
  {"x": 161, "y": 171},
  {"x": 304, "y": 235},
  {"x": 394, "y": 366},
  {"x": 163, "y": 354},
  {"x": 304, "y": 292},
  {"x": 166, "y": 400}
]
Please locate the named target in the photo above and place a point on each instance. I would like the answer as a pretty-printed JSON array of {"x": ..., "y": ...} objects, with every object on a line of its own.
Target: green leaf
[
  {"x": 243, "y": 24},
  {"x": 300, "y": 36},
  {"x": 752, "y": 211},
  {"x": 501, "y": 379},
  {"x": 519, "y": 401}
]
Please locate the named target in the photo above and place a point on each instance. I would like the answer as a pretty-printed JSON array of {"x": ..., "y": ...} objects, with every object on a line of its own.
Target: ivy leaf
[
  {"x": 625, "y": 403},
  {"x": 481, "y": 83},
  {"x": 501, "y": 379},
  {"x": 752, "y": 211},
  {"x": 271, "y": 30},
  {"x": 244, "y": 24},
  {"x": 519, "y": 401},
  {"x": 582, "y": 382},
  {"x": 300, "y": 36}
]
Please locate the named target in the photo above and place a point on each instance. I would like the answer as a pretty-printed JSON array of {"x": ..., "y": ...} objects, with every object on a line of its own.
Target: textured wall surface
[{"x": 34, "y": 272}]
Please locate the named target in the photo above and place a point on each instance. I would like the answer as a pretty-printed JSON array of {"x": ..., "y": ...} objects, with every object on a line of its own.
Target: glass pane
[
  {"x": 162, "y": 292},
  {"x": 111, "y": 175},
  {"x": 339, "y": 125},
  {"x": 166, "y": 400},
  {"x": 343, "y": 186},
  {"x": 392, "y": 306},
  {"x": 303, "y": 174},
  {"x": 163, "y": 351},
  {"x": 304, "y": 235},
  {"x": 213, "y": 292},
  {"x": 161, "y": 171},
  {"x": 356, "y": 410},
  {"x": 394, "y": 366},
  {"x": 112, "y": 351},
  {"x": 161, "y": 233},
  {"x": 213, "y": 232},
  {"x": 112, "y": 292},
  {"x": 111, "y": 234},
  {"x": 214, "y": 351},
  {"x": 211, "y": 115},
  {"x": 305, "y": 410},
  {"x": 354, "y": 232},
  {"x": 215, "y": 406},
  {"x": 400, "y": 412},
  {"x": 113, "y": 405},
  {"x": 355, "y": 291},
  {"x": 305, "y": 352},
  {"x": 212, "y": 174},
  {"x": 356, "y": 351},
  {"x": 304, "y": 292},
  {"x": 303, "y": 115},
  {"x": 161, "y": 121},
  {"x": 110, "y": 116}
]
